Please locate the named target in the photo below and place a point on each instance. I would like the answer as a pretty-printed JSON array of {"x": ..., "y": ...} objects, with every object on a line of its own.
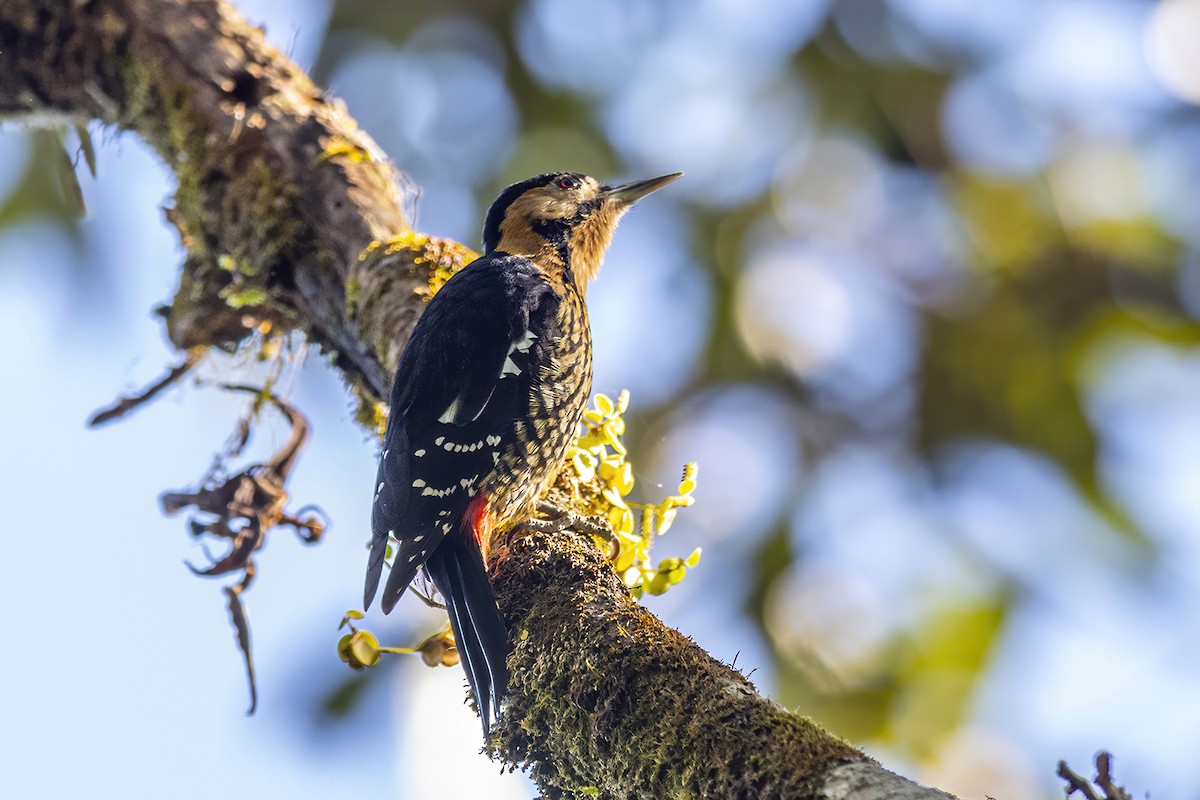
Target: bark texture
[{"x": 292, "y": 218}]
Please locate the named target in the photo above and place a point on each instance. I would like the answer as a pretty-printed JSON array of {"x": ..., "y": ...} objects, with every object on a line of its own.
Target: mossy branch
[
  {"x": 279, "y": 200},
  {"x": 278, "y": 190}
]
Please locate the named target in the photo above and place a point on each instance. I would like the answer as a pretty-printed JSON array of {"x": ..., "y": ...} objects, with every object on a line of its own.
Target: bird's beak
[{"x": 629, "y": 193}]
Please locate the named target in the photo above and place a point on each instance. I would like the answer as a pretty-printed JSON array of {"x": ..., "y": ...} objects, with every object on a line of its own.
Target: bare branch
[
  {"x": 129, "y": 403},
  {"x": 1076, "y": 782},
  {"x": 1108, "y": 789}
]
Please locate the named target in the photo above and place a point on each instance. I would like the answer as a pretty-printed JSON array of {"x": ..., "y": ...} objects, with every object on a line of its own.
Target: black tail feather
[
  {"x": 374, "y": 569},
  {"x": 471, "y": 655},
  {"x": 459, "y": 574}
]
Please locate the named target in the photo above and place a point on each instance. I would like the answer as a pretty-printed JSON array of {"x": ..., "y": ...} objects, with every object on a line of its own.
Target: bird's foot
[{"x": 560, "y": 519}]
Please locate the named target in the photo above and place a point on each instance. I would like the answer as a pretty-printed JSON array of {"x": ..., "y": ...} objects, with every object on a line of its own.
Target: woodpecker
[{"x": 488, "y": 394}]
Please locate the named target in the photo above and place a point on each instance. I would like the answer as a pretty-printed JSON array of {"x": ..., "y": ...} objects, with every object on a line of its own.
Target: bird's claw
[{"x": 561, "y": 519}]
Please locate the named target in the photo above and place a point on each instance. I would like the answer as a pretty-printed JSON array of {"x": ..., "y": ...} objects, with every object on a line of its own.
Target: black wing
[{"x": 461, "y": 383}]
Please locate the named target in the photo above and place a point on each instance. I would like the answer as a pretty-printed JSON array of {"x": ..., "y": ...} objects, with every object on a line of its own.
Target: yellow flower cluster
[{"x": 598, "y": 484}]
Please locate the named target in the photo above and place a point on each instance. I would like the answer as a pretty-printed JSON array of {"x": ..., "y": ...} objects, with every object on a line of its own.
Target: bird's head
[{"x": 562, "y": 220}]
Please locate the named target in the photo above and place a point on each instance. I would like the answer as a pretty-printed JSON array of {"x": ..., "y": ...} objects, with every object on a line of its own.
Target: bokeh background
[{"x": 925, "y": 310}]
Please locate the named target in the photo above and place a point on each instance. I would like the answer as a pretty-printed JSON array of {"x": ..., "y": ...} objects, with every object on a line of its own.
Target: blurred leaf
[
  {"x": 1000, "y": 373},
  {"x": 862, "y": 713},
  {"x": 1113, "y": 324},
  {"x": 1008, "y": 370},
  {"x": 539, "y": 149},
  {"x": 1010, "y": 224},
  {"x": 923, "y": 683},
  {"x": 1139, "y": 242},
  {"x": 39, "y": 196},
  {"x": 857, "y": 713},
  {"x": 86, "y": 148},
  {"x": 68, "y": 180},
  {"x": 949, "y": 653},
  {"x": 344, "y": 698},
  {"x": 957, "y": 636},
  {"x": 771, "y": 559}
]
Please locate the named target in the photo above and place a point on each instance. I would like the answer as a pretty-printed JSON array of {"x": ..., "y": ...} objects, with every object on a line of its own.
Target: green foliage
[
  {"x": 939, "y": 669},
  {"x": 1011, "y": 371}
]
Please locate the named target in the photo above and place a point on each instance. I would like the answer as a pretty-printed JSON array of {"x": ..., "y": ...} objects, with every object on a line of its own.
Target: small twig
[
  {"x": 1076, "y": 782},
  {"x": 1104, "y": 780},
  {"x": 427, "y": 599},
  {"x": 282, "y": 462},
  {"x": 126, "y": 404}
]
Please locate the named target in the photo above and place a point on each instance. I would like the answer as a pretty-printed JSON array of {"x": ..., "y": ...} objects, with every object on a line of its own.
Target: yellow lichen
[
  {"x": 445, "y": 257},
  {"x": 240, "y": 297},
  {"x": 369, "y": 249},
  {"x": 353, "y": 289},
  {"x": 370, "y": 414},
  {"x": 341, "y": 146},
  {"x": 442, "y": 257}
]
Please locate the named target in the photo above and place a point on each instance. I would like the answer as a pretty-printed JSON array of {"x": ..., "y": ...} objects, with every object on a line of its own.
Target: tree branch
[
  {"x": 279, "y": 192},
  {"x": 1104, "y": 781},
  {"x": 279, "y": 197}
]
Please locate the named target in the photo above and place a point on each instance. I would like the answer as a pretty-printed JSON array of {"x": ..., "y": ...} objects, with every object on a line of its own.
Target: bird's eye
[{"x": 567, "y": 182}]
